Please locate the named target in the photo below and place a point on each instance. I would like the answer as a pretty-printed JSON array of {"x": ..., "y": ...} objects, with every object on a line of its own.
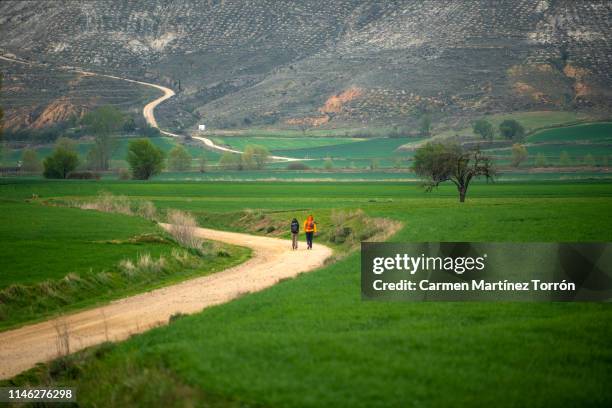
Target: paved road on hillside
[{"x": 272, "y": 260}]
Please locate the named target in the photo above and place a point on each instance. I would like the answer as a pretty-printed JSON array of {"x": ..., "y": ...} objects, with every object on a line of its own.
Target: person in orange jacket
[{"x": 310, "y": 228}]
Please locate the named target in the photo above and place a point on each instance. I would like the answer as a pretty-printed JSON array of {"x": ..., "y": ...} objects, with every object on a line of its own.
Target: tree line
[{"x": 510, "y": 129}]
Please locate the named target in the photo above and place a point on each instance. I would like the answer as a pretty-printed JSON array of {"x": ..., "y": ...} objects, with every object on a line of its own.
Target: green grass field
[
  {"x": 594, "y": 139},
  {"x": 41, "y": 242},
  {"x": 593, "y": 132},
  {"x": 373, "y": 148},
  {"x": 56, "y": 259},
  {"x": 379, "y": 152},
  {"x": 311, "y": 341},
  {"x": 279, "y": 143}
]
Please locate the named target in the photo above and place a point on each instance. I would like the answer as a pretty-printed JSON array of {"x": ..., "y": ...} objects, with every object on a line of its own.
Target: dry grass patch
[
  {"x": 183, "y": 227},
  {"x": 107, "y": 202}
]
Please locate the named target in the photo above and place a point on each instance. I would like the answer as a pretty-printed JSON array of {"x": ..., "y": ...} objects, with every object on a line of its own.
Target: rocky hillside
[{"x": 237, "y": 63}]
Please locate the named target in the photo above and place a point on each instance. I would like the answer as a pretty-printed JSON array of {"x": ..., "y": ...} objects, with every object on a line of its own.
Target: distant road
[
  {"x": 149, "y": 114},
  {"x": 149, "y": 109}
]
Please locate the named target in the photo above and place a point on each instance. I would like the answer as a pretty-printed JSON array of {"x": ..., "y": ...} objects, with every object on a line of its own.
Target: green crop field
[
  {"x": 57, "y": 258},
  {"x": 42, "y": 242},
  {"x": 279, "y": 143},
  {"x": 373, "y": 148},
  {"x": 404, "y": 174},
  {"x": 540, "y": 119},
  {"x": 312, "y": 341},
  {"x": 580, "y": 141},
  {"x": 592, "y": 132}
]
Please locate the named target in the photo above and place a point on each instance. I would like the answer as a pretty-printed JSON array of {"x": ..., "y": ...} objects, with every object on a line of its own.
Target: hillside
[{"x": 314, "y": 63}]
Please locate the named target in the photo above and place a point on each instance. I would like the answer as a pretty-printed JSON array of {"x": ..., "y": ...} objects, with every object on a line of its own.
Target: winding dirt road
[
  {"x": 272, "y": 260},
  {"x": 149, "y": 114},
  {"x": 149, "y": 109}
]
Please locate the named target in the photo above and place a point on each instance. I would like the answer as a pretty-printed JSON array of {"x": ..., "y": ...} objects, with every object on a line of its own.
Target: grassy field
[
  {"x": 594, "y": 139},
  {"x": 530, "y": 120},
  {"x": 593, "y": 132},
  {"x": 41, "y": 242},
  {"x": 279, "y": 143},
  {"x": 374, "y": 148},
  {"x": 56, "y": 259},
  {"x": 378, "y": 152},
  {"x": 311, "y": 341}
]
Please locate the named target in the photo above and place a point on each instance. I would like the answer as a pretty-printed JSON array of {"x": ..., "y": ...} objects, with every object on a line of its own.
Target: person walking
[
  {"x": 310, "y": 228},
  {"x": 295, "y": 230}
]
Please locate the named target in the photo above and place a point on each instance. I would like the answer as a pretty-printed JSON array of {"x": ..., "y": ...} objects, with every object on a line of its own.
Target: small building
[{"x": 202, "y": 127}]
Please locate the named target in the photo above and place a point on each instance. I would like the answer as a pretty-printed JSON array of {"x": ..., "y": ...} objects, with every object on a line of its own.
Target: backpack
[{"x": 295, "y": 226}]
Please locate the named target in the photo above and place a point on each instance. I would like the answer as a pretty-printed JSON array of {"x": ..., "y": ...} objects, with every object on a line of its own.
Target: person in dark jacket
[{"x": 295, "y": 230}]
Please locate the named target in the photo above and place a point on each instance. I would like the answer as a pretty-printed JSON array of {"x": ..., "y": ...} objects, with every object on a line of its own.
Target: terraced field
[
  {"x": 577, "y": 142},
  {"x": 593, "y": 133}
]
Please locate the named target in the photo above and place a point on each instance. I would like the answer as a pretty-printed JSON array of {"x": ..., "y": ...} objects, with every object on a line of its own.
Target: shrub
[
  {"x": 146, "y": 209},
  {"x": 184, "y": 258},
  {"x": 540, "y": 160},
  {"x": 106, "y": 202},
  {"x": 124, "y": 174},
  {"x": 183, "y": 228},
  {"x": 147, "y": 264},
  {"x": 511, "y": 129},
  {"x": 297, "y": 166},
  {"x": 127, "y": 267},
  {"x": 30, "y": 161},
  {"x": 519, "y": 154},
  {"x": 328, "y": 164},
  {"x": 179, "y": 159},
  {"x": 484, "y": 128},
  {"x": 145, "y": 159},
  {"x": 230, "y": 161},
  {"x": 60, "y": 163},
  {"x": 144, "y": 264},
  {"x": 255, "y": 157}
]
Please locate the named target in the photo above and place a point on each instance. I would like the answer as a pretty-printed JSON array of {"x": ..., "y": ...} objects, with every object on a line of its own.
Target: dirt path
[
  {"x": 272, "y": 260},
  {"x": 149, "y": 115}
]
